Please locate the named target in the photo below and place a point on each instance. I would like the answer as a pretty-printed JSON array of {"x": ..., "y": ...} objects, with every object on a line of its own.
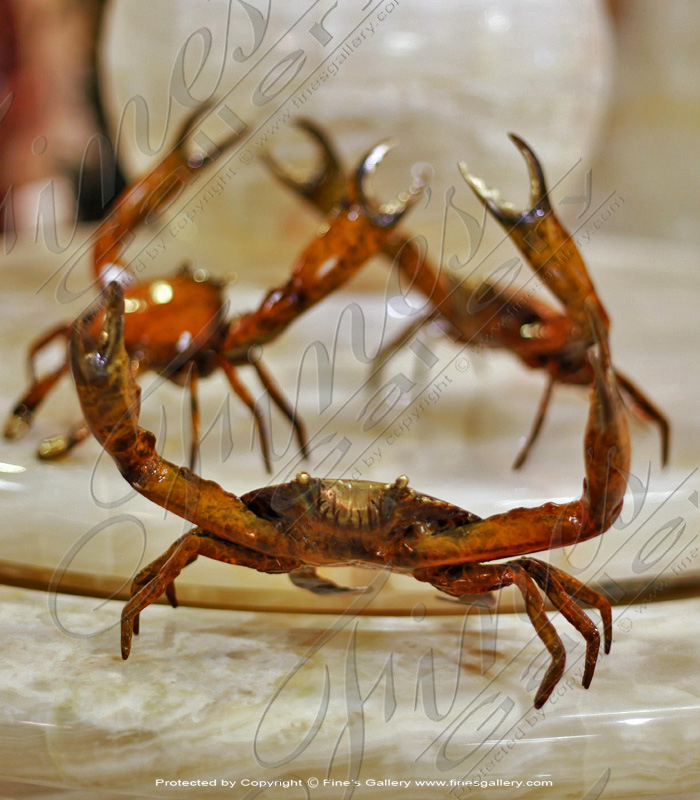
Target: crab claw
[
  {"x": 542, "y": 239},
  {"x": 505, "y": 212},
  {"x": 189, "y": 132},
  {"x": 387, "y": 214},
  {"x": 326, "y": 185},
  {"x": 101, "y": 367},
  {"x": 92, "y": 365}
]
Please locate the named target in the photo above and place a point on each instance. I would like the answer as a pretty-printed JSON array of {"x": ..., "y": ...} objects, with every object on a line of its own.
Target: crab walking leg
[
  {"x": 521, "y": 458},
  {"x": 566, "y": 592},
  {"x": 464, "y": 579},
  {"x": 529, "y": 530},
  {"x": 544, "y": 241},
  {"x": 60, "y": 445},
  {"x": 642, "y": 406},
  {"x": 20, "y": 419},
  {"x": 247, "y": 399},
  {"x": 353, "y": 235},
  {"x": 110, "y": 400},
  {"x": 193, "y": 386},
  {"x": 283, "y": 405},
  {"x": 308, "y": 578},
  {"x": 158, "y": 577}
]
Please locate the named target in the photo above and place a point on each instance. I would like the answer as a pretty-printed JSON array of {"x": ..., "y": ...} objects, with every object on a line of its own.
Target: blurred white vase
[{"x": 450, "y": 79}]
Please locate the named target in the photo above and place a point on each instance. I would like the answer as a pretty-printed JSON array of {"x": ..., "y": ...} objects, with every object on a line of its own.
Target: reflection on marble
[{"x": 217, "y": 695}]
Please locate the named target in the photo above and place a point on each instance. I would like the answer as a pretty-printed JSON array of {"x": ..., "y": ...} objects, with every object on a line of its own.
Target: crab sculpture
[{"x": 309, "y": 522}]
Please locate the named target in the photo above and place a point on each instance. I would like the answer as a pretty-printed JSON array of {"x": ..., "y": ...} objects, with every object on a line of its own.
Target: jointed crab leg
[
  {"x": 564, "y": 591},
  {"x": 158, "y": 576}
]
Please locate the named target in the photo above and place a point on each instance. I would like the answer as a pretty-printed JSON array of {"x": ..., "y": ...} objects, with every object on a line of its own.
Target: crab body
[
  {"x": 366, "y": 523},
  {"x": 171, "y": 323}
]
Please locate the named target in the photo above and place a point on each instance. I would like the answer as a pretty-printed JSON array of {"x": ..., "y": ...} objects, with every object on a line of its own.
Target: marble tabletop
[{"x": 223, "y": 696}]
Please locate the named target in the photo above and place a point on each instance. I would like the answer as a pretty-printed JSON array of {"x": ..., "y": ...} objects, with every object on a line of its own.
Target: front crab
[{"x": 308, "y": 523}]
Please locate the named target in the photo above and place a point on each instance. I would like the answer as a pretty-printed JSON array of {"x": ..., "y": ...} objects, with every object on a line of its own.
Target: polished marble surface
[{"x": 220, "y": 695}]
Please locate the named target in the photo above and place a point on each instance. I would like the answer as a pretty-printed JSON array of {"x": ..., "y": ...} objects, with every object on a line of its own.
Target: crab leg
[
  {"x": 564, "y": 591},
  {"x": 354, "y": 233},
  {"x": 247, "y": 399},
  {"x": 158, "y": 576},
  {"x": 642, "y": 406},
  {"x": 478, "y": 578},
  {"x": 20, "y": 419},
  {"x": 61, "y": 444},
  {"x": 309, "y": 579},
  {"x": 193, "y": 385},
  {"x": 283, "y": 405},
  {"x": 536, "y": 425},
  {"x": 22, "y": 414}
]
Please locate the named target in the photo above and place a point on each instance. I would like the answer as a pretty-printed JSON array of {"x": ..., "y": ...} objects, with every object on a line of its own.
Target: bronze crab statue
[{"x": 309, "y": 523}]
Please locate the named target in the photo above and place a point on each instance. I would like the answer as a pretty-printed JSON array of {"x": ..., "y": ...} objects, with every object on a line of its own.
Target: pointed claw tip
[
  {"x": 387, "y": 214},
  {"x": 538, "y": 185},
  {"x": 489, "y": 196},
  {"x": 519, "y": 142},
  {"x": 376, "y": 154}
]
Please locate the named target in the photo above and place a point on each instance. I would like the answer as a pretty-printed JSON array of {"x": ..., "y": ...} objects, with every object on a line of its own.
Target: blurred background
[{"x": 641, "y": 128}]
